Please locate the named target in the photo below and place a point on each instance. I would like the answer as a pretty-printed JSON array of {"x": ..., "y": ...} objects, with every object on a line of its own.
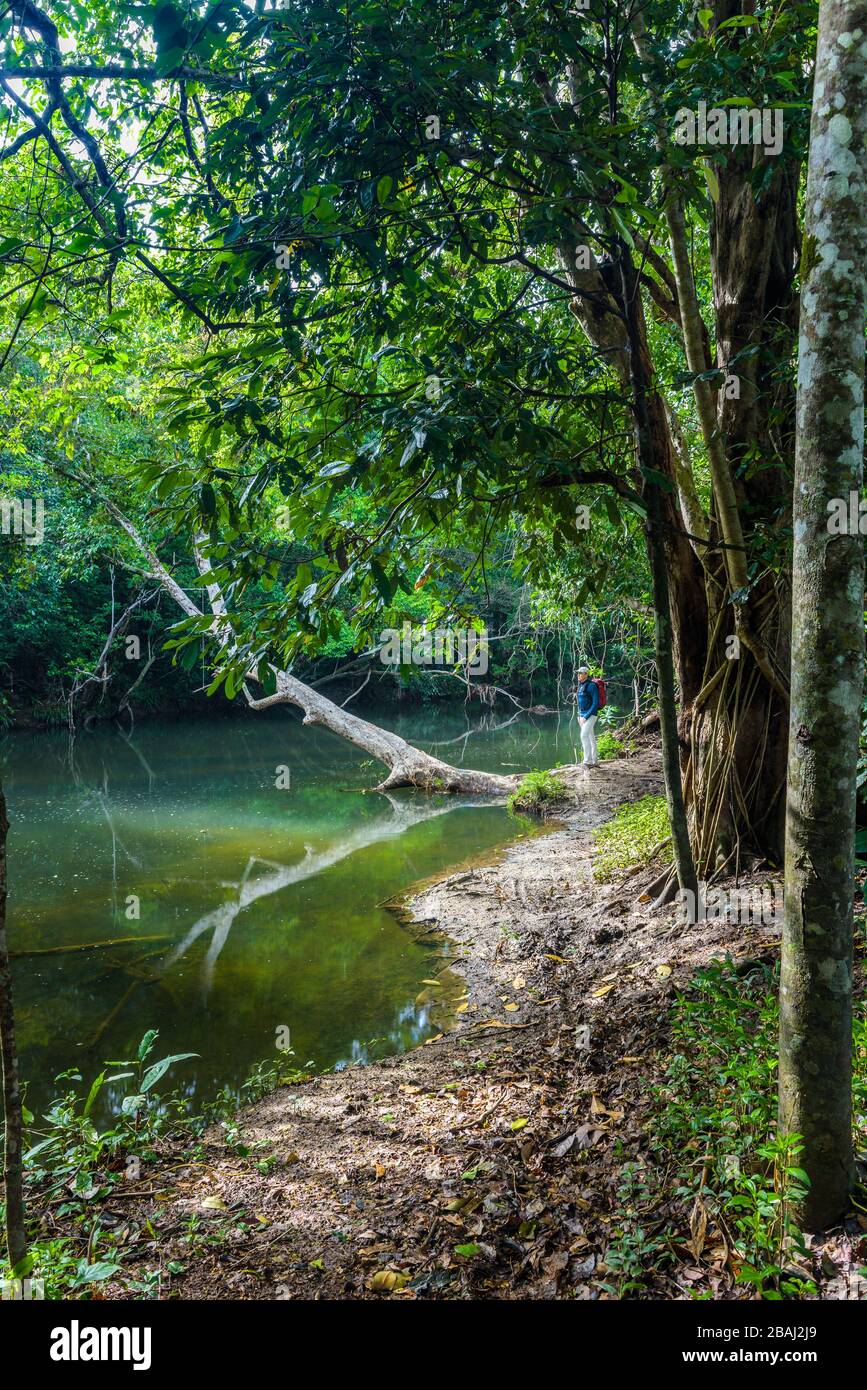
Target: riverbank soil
[{"x": 488, "y": 1163}]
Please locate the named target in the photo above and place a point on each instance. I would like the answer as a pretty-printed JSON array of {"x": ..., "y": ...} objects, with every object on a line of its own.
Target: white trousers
[{"x": 588, "y": 741}]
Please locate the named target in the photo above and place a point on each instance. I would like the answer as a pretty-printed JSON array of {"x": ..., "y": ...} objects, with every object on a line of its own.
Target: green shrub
[
  {"x": 536, "y": 791},
  {"x": 74, "y": 1167},
  {"x": 626, "y": 841},
  {"x": 609, "y": 746},
  {"x": 719, "y": 1107},
  {"x": 714, "y": 1148}
]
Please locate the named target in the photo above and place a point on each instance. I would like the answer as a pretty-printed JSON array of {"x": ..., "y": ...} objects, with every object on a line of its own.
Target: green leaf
[
  {"x": 96, "y": 1273},
  {"x": 149, "y": 1038},
  {"x": 381, "y": 580},
  {"x": 37, "y": 1148},
  {"x": 94, "y": 1092},
  {"x": 24, "y": 1266},
  {"x": 710, "y": 175},
  {"x": 622, "y": 227},
  {"x": 654, "y": 476},
  {"x": 159, "y": 1069}
]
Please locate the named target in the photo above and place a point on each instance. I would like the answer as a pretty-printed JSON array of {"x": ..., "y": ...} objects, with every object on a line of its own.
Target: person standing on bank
[{"x": 588, "y": 709}]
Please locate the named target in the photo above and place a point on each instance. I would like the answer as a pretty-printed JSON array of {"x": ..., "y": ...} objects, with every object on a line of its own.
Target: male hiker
[{"x": 588, "y": 708}]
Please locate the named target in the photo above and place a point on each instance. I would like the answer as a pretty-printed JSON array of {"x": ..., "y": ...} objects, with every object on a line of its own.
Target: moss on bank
[
  {"x": 628, "y": 840},
  {"x": 536, "y": 792}
]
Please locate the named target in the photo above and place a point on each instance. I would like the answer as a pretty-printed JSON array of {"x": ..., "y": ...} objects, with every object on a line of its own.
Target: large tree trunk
[
  {"x": 647, "y": 447},
  {"x": 732, "y": 739},
  {"x": 13, "y": 1177},
  {"x": 737, "y": 723},
  {"x": 596, "y": 310},
  {"x": 828, "y": 627},
  {"x": 740, "y": 729}
]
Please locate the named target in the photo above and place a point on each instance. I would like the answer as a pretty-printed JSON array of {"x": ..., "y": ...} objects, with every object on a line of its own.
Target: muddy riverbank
[{"x": 487, "y": 1163}]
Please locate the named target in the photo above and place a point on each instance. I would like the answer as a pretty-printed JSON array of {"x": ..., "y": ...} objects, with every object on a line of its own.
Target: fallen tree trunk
[
  {"x": 83, "y": 946},
  {"x": 407, "y": 766}
]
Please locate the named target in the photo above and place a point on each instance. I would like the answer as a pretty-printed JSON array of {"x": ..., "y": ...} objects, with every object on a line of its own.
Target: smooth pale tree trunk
[
  {"x": 828, "y": 625},
  {"x": 13, "y": 1182}
]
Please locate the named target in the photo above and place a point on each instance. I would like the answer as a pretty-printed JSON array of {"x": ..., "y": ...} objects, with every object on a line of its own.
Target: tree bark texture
[{"x": 828, "y": 625}]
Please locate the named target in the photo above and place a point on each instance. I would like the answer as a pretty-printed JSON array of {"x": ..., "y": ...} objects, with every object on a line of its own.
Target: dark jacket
[{"x": 588, "y": 698}]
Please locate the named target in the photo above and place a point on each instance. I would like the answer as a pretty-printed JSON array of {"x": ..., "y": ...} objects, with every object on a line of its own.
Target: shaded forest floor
[{"x": 507, "y": 1157}]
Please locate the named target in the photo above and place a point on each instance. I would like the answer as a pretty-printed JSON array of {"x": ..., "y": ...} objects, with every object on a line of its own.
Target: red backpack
[{"x": 600, "y": 687}]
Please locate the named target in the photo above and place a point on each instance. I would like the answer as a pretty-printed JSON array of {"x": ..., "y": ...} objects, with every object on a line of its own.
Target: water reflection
[
  {"x": 250, "y": 889},
  {"x": 258, "y": 908}
]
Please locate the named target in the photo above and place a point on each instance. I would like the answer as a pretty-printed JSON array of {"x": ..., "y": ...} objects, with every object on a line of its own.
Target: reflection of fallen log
[
  {"x": 109, "y": 1018},
  {"x": 84, "y": 946},
  {"x": 134, "y": 969},
  {"x": 250, "y": 889},
  {"x": 129, "y": 967},
  {"x": 139, "y": 977}
]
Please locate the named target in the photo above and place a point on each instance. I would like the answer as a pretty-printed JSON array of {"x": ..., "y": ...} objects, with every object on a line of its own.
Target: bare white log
[{"x": 407, "y": 766}]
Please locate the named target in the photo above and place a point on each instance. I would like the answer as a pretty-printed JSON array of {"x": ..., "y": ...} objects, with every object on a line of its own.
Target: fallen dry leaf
[
  {"x": 597, "y": 1108},
  {"x": 387, "y": 1280},
  {"x": 698, "y": 1228}
]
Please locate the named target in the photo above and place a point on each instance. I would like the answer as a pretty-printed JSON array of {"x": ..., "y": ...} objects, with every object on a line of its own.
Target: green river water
[{"x": 259, "y": 905}]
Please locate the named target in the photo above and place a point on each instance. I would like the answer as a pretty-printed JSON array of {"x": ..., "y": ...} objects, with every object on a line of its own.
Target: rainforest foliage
[{"x": 322, "y": 320}]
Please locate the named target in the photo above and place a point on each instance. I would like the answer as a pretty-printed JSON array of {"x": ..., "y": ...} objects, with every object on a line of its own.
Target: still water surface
[{"x": 259, "y": 906}]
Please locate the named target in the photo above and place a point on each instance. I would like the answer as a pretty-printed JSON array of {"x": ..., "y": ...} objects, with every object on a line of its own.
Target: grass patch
[
  {"x": 626, "y": 841},
  {"x": 536, "y": 792}
]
